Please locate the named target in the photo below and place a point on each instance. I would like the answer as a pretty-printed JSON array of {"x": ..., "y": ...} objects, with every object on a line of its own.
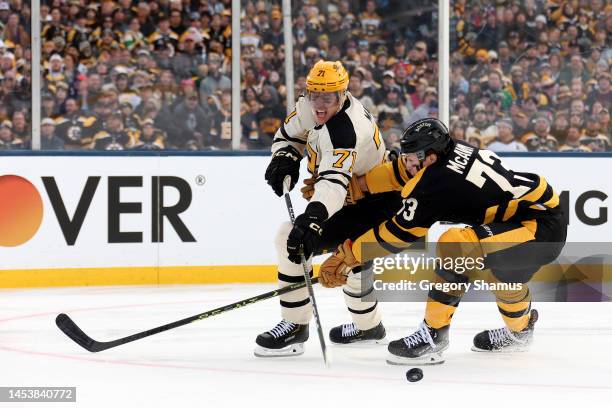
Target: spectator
[
  {"x": 357, "y": 90},
  {"x": 48, "y": 108},
  {"x": 598, "y": 142},
  {"x": 603, "y": 93},
  {"x": 560, "y": 127},
  {"x": 222, "y": 120},
  {"x": 428, "y": 108},
  {"x": 604, "y": 121},
  {"x": 188, "y": 57},
  {"x": 518, "y": 87},
  {"x": 271, "y": 114},
  {"x": 8, "y": 141},
  {"x": 113, "y": 136},
  {"x": 21, "y": 129},
  {"x": 191, "y": 124},
  {"x": 482, "y": 65},
  {"x": 74, "y": 127},
  {"x": 540, "y": 140},
  {"x": 392, "y": 138},
  {"x": 15, "y": 33},
  {"x": 481, "y": 128},
  {"x": 505, "y": 141},
  {"x": 458, "y": 81},
  {"x": 274, "y": 34},
  {"x": 457, "y": 129},
  {"x": 572, "y": 143},
  {"x": 150, "y": 138},
  {"x": 215, "y": 80},
  {"x": 48, "y": 138},
  {"x": 575, "y": 69},
  {"x": 392, "y": 112}
]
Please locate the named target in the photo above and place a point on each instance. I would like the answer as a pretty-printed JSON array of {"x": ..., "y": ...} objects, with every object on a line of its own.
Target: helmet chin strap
[{"x": 421, "y": 157}]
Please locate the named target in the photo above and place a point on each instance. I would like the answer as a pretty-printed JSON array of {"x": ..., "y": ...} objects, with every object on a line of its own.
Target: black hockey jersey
[{"x": 470, "y": 186}]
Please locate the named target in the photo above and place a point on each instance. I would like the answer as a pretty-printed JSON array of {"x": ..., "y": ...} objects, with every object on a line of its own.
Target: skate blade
[
  {"x": 430, "y": 359},
  {"x": 289, "y": 351},
  {"x": 427, "y": 359},
  {"x": 362, "y": 343},
  {"x": 506, "y": 350}
]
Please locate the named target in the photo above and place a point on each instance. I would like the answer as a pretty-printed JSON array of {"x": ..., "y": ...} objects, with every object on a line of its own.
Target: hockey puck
[{"x": 414, "y": 374}]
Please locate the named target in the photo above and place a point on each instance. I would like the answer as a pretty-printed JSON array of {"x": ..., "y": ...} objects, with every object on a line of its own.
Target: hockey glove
[
  {"x": 285, "y": 162},
  {"x": 354, "y": 192},
  {"x": 306, "y": 233},
  {"x": 336, "y": 268},
  {"x": 309, "y": 188}
]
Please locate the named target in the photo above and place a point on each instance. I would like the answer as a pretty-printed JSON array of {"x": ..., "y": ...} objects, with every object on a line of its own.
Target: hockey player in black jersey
[{"x": 507, "y": 213}]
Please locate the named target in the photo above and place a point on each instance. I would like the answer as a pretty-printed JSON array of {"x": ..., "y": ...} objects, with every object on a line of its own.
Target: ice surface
[{"x": 211, "y": 364}]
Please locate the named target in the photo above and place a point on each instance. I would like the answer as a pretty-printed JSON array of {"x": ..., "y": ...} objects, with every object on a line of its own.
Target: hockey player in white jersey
[{"x": 340, "y": 139}]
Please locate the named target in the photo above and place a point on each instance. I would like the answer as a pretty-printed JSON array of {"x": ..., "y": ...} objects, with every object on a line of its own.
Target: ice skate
[
  {"x": 504, "y": 340},
  {"x": 285, "y": 339},
  {"x": 423, "y": 347}
]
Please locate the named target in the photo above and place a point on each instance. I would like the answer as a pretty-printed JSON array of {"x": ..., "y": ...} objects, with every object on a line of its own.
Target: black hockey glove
[
  {"x": 285, "y": 162},
  {"x": 306, "y": 232}
]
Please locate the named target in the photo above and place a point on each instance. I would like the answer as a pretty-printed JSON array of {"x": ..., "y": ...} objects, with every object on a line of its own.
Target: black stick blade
[{"x": 70, "y": 329}]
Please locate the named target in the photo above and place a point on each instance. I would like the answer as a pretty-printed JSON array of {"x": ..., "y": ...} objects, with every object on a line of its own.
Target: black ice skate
[
  {"x": 423, "y": 347},
  {"x": 504, "y": 340},
  {"x": 285, "y": 339},
  {"x": 348, "y": 333}
]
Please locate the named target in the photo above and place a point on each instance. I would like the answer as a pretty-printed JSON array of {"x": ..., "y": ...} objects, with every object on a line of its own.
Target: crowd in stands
[
  {"x": 119, "y": 74},
  {"x": 532, "y": 75},
  {"x": 525, "y": 75}
]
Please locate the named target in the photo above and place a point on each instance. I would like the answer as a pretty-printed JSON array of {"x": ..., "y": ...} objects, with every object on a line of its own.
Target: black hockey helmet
[{"x": 426, "y": 135}]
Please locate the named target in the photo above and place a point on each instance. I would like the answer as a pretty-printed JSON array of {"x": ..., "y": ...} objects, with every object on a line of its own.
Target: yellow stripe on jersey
[
  {"x": 532, "y": 196},
  {"x": 553, "y": 202},
  {"x": 354, "y": 161},
  {"x": 531, "y": 225},
  {"x": 405, "y": 176},
  {"x": 387, "y": 236},
  {"x": 514, "y": 307},
  {"x": 88, "y": 121},
  {"x": 490, "y": 214},
  {"x": 312, "y": 158},
  {"x": 412, "y": 183},
  {"x": 508, "y": 239},
  {"x": 416, "y": 231},
  {"x": 288, "y": 118},
  {"x": 376, "y": 136}
]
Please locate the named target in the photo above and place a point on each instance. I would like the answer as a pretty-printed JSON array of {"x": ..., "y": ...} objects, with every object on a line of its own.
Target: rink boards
[{"x": 114, "y": 220}]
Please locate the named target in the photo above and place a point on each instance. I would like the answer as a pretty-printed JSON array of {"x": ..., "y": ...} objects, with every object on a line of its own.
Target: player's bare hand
[{"x": 335, "y": 269}]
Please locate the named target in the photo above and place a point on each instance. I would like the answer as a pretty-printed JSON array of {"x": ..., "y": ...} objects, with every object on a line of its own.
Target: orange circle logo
[{"x": 21, "y": 210}]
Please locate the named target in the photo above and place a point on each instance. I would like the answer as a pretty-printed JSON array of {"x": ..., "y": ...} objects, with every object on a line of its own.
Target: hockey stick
[
  {"x": 70, "y": 328},
  {"x": 315, "y": 311}
]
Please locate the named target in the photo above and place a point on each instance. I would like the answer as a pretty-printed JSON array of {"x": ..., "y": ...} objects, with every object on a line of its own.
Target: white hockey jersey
[{"x": 349, "y": 143}]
